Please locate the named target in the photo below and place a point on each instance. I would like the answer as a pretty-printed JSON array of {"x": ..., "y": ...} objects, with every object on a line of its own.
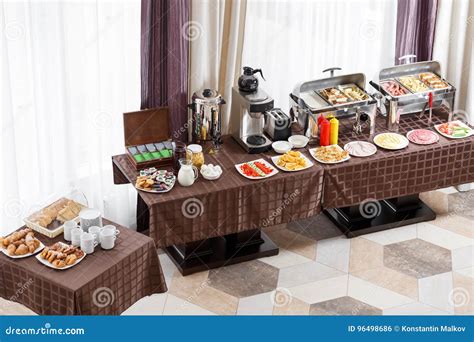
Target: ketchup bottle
[{"x": 325, "y": 133}]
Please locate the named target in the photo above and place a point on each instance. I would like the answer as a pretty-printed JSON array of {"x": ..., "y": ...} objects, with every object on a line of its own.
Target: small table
[{"x": 106, "y": 282}]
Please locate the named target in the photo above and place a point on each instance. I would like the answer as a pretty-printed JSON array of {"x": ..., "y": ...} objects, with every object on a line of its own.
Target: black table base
[
  {"x": 221, "y": 251},
  {"x": 375, "y": 216}
]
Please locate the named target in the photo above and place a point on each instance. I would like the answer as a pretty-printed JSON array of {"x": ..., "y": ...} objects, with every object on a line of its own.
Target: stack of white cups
[{"x": 106, "y": 235}]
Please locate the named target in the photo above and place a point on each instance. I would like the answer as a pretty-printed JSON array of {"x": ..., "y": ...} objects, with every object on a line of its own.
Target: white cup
[
  {"x": 68, "y": 226},
  {"x": 76, "y": 236},
  {"x": 109, "y": 226},
  {"x": 94, "y": 230},
  {"x": 88, "y": 243},
  {"x": 107, "y": 238},
  {"x": 90, "y": 217}
]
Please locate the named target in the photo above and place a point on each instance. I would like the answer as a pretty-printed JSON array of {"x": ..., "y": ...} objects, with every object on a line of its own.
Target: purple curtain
[
  {"x": 416, "y": 20},
  {"x": 164, "y": 59}
]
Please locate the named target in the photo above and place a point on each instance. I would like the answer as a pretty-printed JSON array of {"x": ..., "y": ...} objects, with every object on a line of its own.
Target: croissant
[
  {"x": 44, "y": 252},
  {"x": 52, "y": 256},
  {"x": 59, "y": 263},
  {"x": 71, "y": 259},
  {"x": 22, "y": 250},
  {"x": 11, "y": 249}
]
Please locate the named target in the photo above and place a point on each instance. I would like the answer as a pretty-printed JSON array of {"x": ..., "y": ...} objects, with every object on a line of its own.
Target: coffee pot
[{"x": 247, "y": 81}]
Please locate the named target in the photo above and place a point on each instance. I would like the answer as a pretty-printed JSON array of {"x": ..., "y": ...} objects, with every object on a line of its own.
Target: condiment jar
[{"x": 195, "y": 154}]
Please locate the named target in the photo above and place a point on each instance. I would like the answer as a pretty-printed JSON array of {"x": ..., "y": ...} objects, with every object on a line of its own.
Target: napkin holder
[{"x": 147, "y": 127}]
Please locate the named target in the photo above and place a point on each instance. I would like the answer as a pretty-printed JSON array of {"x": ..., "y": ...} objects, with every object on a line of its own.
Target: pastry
[
  {"x": 71, "y": 259},
  {"x": 21, "y": 250},
  {"x": 11, "y": 249},
  {"x": 59, "y": 263},
  {"x": 61, "y": 255}
]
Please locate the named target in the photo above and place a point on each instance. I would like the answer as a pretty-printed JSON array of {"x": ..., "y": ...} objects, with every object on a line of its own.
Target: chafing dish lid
[
  {"x": 410, "y": 69},
  {"x": 330, "y": 82}
]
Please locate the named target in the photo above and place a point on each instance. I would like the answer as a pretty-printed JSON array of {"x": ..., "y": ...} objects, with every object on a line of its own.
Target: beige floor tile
[
  {"x": 289, "y": 305},
  {"x": 436, "y": 291},
  {"x": 462, "y": 257},
  {"x": 365, "y": 255},
  {"x": 374, "y": 295},
  {"x": 415, "y": 309},
  {"x": 285, "y": 259},
  {"x": 177, "y": 307},
  {"x": 294, "y": 242},
  {"x": 322, "y": 290},
  {"x": 8, "y": 307},
  {"x": 274, "y": 228},
  {"x": 150, "y": 305},
  {"x": 195, "y": 289},
  {"x": 467, "y": 272},
  {"x": 334, "y": 252},
  {"x": 305, "y": 273},
  {"x": 456, "y": 224},
  {"x": 260, "y": 304},
  {"x": 463, "y": 294},
  {"x": 442, "y": 237},
  {"x": 394, "y": 235},
  {"x": 391, "y": 280},
  {"x": 436, "y": 200}
]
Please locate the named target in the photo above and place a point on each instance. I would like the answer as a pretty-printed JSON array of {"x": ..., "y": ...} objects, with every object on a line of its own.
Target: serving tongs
[{"x": 430, "y": 104}]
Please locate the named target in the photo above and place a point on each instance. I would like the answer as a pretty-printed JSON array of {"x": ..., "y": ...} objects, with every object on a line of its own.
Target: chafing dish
[
  {"x": 309, "y": 99},
  {"x": 392, "y": 106}
]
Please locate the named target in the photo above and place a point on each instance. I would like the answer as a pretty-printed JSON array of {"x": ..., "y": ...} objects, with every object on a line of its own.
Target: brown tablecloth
[
  {"x": 230, "y": 204},
  {"x": 103, "y": 283},
  {"x": 390, "y": 174}
]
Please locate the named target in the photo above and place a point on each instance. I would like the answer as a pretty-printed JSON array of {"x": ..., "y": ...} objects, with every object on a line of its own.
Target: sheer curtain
[
  {"x": 293, "y": 41},
  {"x": 69, "y": 69}
]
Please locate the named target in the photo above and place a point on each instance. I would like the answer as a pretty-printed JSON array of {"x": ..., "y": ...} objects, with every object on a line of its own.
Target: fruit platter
[
  {"x": 454, "y": 129},
  {"x": 256, "y": 169},
  {"x": 155, "y": 181},
  {"x": 292, "y": 161},
  {"x": 332, "y": 154},
  {"x": 422, "y": 137}
]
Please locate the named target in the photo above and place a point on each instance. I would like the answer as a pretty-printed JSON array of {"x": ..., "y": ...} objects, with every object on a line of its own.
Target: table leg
[
  {"x": 143, "y": 215},
  {"x": 221, "y": 251},
  {"x": 386, "y": 214}
]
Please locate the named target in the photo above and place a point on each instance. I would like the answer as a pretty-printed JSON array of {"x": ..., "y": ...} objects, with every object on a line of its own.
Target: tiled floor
[{"x": 423, "y": 269}]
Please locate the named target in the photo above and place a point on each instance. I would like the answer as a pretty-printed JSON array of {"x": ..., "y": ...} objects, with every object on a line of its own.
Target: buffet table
[
  {"x": 388, "y": 183},
  {"x": 186, "y": 218},
  {"x": 104, "y": 283}
]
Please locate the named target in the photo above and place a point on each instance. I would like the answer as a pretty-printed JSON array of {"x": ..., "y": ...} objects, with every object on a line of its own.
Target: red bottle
[{"x": 325, "y": 133}]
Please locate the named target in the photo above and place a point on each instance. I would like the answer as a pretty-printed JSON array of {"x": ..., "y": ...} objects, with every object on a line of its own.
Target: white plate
[
  {"x": 309, "y": 163},
  {"x": 400, "y": 146},
  {"x": 156, "y": 191},
  {"x": 211, "y": 178},
  {"x": 40, "y": 248},
  {"x": 419, "y": 143},
  {"x": 47, "y": 263},
  {"x": 462, "y": 124},
  {"x": 298, "y": 141},
  {"x": 263, "y": 161},
  {"x": 313, "y": 150},
  {"x": 369, "y": 147}
]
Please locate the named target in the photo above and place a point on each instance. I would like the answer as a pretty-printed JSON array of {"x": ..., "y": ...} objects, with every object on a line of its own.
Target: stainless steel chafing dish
[
  {"x": 413, "y": 101},
  {"x": 309, "y": 99}
]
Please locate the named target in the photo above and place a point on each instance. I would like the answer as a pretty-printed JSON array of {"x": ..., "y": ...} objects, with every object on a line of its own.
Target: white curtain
[
  {"x": 454, "y": 48},
  {"x": 216, "y": 32},
  {"x": 294, "y": 40},
  {"x": 69, "y": 69}
]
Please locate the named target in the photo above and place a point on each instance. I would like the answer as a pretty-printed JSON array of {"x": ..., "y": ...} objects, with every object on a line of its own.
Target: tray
[
  {"x": 309, "y": 163},
  {"x": 50, "y": 265},
  {"x": 261, "y": 160},
  {"x": 40, "y": 248}
]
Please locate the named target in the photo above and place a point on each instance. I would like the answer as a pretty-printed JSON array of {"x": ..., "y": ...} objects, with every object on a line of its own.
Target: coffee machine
[{"x": 248, "y": 113}]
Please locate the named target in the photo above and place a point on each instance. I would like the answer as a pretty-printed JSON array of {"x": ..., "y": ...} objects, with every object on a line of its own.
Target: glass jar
[
  {"x": 195, "y": 154},
  {"x": 179, "y": 152}
]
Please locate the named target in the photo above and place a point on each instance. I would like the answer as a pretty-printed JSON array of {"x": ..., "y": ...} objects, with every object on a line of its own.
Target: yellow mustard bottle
[{"x": 334, "y": 131}]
